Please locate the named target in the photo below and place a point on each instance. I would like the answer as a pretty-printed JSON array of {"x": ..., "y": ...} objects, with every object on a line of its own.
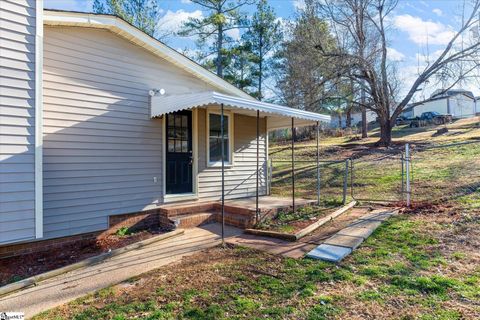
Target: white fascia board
[
  {"x": 39, "y": 121},
  {"x": 124, "y": 29}
]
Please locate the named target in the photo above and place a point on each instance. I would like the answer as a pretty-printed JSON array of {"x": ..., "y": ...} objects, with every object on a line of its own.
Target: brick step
[
  {"x": 237, "y": 220},
  {"x": 197, "y": 219},
  {"x": 193, "y": 220},
  {"x": 172, "y": 211}
]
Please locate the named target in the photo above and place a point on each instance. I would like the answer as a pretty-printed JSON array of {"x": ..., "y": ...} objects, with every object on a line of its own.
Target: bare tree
[{"x": 361, "y": 30}]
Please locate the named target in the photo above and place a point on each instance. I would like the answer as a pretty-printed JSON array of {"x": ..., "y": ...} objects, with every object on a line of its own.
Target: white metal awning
[{"x": 278, "y": 116}]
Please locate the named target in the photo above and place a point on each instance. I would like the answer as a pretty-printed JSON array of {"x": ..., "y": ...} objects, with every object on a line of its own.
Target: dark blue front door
[{"x": 179, "y": 156}]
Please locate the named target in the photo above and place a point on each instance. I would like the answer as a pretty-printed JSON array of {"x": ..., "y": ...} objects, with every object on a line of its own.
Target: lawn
[{"x": 422, "y": 264}]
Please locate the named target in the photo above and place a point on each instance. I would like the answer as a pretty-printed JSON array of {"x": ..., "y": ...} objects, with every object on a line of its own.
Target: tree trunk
[
  {"x": 260, "y": 66},
  {"x": 385, "y": 133},
  {"x": 219, "y": 52},
  {"x": 348, "y": 120},
  {"x": 340, "y": 121},
  {"x": 364, "y": 123}
]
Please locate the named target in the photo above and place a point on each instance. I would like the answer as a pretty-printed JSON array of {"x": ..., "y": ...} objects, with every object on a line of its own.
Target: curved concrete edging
[
  {"x": 305, "y": 231},
  {"x": 9, "y": 288}
]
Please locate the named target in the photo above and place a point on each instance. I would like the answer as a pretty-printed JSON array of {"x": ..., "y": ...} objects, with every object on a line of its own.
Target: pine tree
[
  {"x": 211, "y": 30},
  {"x": 263, "y": 36},
  {"x": 143, "y": 14}
]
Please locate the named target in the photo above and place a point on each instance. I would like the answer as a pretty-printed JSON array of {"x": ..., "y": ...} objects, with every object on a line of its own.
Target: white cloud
[
  {"x": 298, "y": 4},
  {"x": 422, "y": 32},
  {"x": 186, "y": 1},
  {"x": 395, "y": 55},
  {"x": 172, "y": 21},
  {"x": 438, "y": 12},
  {"x": 234, "y": 34}
]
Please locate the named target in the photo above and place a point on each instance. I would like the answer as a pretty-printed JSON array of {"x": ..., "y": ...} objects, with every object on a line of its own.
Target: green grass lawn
[{"x": 423, "y": 265}]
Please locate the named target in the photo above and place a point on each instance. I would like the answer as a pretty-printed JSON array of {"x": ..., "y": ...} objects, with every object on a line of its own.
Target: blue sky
[{"x": 420, "y": 27}]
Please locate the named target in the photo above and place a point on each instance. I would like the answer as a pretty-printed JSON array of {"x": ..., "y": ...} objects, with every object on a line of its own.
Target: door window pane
[{"x": 171, "y": 145}]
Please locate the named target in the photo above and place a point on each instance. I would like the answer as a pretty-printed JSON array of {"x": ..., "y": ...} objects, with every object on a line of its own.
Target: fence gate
[
  {"x": 445, "y": 172},
  {"x": 378, "y": 176}
]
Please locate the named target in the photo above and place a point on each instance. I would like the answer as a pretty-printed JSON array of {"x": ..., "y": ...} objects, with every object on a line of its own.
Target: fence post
[
  {"x": 270, "y": 176},
  {"x": 407, "y": 172},
  {"x": 345, "y": 183}
]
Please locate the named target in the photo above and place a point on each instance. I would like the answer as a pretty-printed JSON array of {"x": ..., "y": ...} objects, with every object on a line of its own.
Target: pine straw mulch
[{"x": 16, "y": 268}]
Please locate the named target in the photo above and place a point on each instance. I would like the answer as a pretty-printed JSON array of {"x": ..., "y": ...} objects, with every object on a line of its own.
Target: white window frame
[{"x": 229, "y": 116}]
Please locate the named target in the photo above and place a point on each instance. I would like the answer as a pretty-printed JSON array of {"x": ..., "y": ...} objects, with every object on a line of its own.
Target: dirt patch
[
  {"x": 14, "y": 269},
  {"x": 293, "y": 222}
]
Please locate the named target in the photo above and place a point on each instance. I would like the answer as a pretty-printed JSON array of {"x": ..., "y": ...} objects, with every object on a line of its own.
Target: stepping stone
[
  {"x": 379, "y": 215},
  {"x": 329, "y": 252},
  {"x": 344, "y": 241},
  {"x": 367, "y": 224},
  {"x": 356, "y": 232}
]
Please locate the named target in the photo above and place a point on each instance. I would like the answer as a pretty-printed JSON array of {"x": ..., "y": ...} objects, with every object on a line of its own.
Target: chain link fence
[
  {"x": 333, "y": 180},
  {"x": 425, "y": 174},
  {"x": 378, "y": 176}
]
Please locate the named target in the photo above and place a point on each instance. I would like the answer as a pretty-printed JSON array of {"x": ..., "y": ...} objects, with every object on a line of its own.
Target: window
[
  {"x": 215, "y": 138},
  {"x": 177, "y": 133}
]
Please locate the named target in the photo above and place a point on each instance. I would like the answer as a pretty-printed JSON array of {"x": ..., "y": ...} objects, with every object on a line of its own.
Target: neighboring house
[
  {"x": 341, "y": 121},
  {"x": 457, "y": 102},
  {"x": 477, "y": 105},
  {"x": 98, "y": 119}
]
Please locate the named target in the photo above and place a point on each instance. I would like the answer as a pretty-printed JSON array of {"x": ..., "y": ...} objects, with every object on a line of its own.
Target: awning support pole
[
  {"x": 293, "y": 164},
  {"x": 222, "y": 121},
  {"x": 318, "y": 162},
  {"x": 258, "y": 165}
]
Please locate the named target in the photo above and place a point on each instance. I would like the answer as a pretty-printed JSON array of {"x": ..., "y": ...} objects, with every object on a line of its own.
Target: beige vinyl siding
[
  {"x": 101, "y": 149},
  {"x": 17, "y": 120},
  {"x": 240, "y": 178}
]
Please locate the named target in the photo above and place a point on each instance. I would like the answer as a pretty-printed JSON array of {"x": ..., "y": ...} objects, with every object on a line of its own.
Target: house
[
  {"x": 457, "y": 102},
  {"x": 99, "y": 121},
  {"x": 341, "y": 121}
]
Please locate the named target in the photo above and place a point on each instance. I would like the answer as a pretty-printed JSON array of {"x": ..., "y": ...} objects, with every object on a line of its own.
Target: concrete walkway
[
  {"x": 67, "y": 287},
  {"x": 341, "y": 244}
]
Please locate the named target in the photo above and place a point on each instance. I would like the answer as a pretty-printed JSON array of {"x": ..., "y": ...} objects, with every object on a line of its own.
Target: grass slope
[{"x": 419, "y": 265}]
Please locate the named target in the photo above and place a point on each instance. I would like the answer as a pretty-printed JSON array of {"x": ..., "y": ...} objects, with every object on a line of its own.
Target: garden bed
[
  {"x": 292, "y": 226},
  {"x": 292, "y": 222},
  {"x": 16, "y": 268}
]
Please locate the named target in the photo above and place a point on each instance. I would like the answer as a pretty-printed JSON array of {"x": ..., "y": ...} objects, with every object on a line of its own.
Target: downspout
[{"x": 39, "y": 120}]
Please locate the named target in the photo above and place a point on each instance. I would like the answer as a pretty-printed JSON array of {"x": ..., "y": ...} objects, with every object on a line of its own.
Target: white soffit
[{"x": 161, "y": 105}]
